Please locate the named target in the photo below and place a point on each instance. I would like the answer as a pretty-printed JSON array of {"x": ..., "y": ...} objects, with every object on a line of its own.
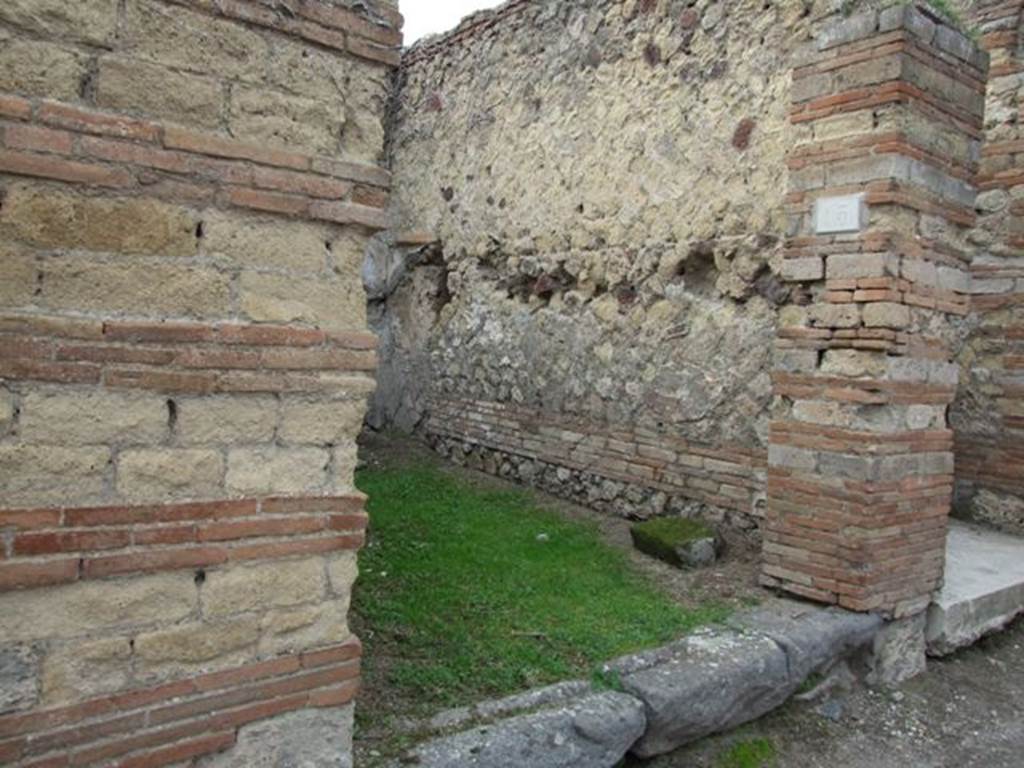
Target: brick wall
[
  {"x": 186, "y": 193},
  {"x": 889, "y": 106},
  {"x": 619, "y": 470},
  {"x": 587, "y": 240},
  {"x": 989, "y": 413}
]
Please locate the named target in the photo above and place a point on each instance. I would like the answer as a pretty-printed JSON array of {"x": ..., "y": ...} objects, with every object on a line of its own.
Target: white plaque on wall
[{"x": 844, "y": 213}]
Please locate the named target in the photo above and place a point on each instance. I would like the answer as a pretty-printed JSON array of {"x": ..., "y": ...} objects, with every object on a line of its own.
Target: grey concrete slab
[{"x": 984, "y": 588}]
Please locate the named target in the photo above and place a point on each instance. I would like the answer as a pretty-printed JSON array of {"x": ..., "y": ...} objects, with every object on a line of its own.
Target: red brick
[
  {"x": 217, "y": 146},
  {"x": 57, "y": 761},
  {"x": 266, "y": 691},
  {"x": 227, "y": 171},
  {"x": 83, "y": 734},
  {"x": 28, "y": 544},
  {"x": 350, "y": 650},
  {"x": 340, "y": 18},
  {"x": 37, "y": 139},
  {"x": 348, "y": 522},
  {"x": 148, "y": 562},
  {"x": 46, "y": 167},
  {"x": 11, "y": 751},
  {"x": 161, "y": 381},
  {"x": 318, "y": 359},
  {"x": 325, "y": 36},
  {"x": 354, "y": 340},
  {"x": 135, "y": 154},
  {"x": 877, "y": 295},
  {"x": 336, "y": 696},
  {"x": 271, "y": 335},
  {"x": 293, "y": 548},
  {"x": 20, "y": 576},
  {"x": 106, "y": 751},
  {"x": 160, "y": 332},
  {"x": 249, "y": 673},
  {"x": 176, "y": 534},
  {"x": 93, "y": 353},
  {"x": 349, "y": 213},
  {"x": 63, "y": 373},
  {"x": 25, "y": 348},
  {"x": 367, "y": 174},
  {"x": 352, "y": 503},
  {"x": 300, "y": 183},
  {"x": 372, "y": 197},
  {"x": 29, "y": 519},
  {"x": 63, "y": 327},
  {"x": 181, "y": 752},
  {"x": 367, "y": 50},
  {"x": 260, "y": 711},
  {"x": 219, "y": 358},
  {"x": 249, "y": 529},
  {"x": 272, "y": 202},
  {"x": 86, "y": 121},
  {"x": 165, "y": 513},
  {"x": 15, "y": 106}
]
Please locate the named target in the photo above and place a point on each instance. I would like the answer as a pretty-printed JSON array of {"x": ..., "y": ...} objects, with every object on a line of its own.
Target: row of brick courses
[
  {"x": 204, "y": 167},
  {"x": 158, "y": 725},
  {"x": 62, "y": 545},
  {"x": 171, "y": 357},
  {"x": 729, "y": 476}
]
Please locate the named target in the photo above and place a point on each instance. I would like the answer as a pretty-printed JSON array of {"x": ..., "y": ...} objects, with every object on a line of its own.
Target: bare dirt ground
[{"x": 967, "y": 711}]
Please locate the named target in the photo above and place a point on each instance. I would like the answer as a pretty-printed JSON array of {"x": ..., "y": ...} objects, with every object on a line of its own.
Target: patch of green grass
[
  {"x": 811, "y": 682},
  {"x": 468, "y": 600},
  {"x": 606, "y": 680},
  {"x": 753, "y": 753}
]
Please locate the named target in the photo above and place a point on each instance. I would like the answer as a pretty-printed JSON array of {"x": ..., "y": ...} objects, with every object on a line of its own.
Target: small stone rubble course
[{"x": 712, "y": 681}]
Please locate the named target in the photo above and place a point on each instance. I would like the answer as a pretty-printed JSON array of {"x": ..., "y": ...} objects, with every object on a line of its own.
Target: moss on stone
[{"x": 666, "y": 537}]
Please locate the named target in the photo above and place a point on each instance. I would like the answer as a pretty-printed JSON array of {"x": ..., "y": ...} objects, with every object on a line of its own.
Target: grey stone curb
[{"x": 708, "y": 682}]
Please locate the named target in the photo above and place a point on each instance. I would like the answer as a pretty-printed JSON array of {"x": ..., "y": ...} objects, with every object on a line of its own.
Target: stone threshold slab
[{"x": 983, "y": 591}]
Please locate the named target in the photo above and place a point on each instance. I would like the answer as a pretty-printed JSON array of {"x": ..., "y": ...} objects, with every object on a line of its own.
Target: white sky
[{"x": 425, "y": 17}]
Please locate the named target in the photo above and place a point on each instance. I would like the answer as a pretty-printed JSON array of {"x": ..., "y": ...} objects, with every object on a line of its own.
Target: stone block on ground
[
  {"x": 811, "y": 636},
  {"x": 711, "y": 682},
  {"x": 592, "y": 732},
  {"x": 678, "y": 541},
  {"x": 898, "y": 653}
]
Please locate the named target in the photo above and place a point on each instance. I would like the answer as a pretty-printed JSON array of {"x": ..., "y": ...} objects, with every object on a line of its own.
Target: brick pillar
[
  {"x": 887, "y": 111},
  {"x": 187, "y": 189}
]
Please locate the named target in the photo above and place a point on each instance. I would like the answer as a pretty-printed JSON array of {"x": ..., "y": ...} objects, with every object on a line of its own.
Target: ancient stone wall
[
  {"x": 584, "y": 277},
  {"x": 589, "y": 204},
  {"x": 187, "y": 188},
  {"x": 584, "y": 269},
  {"x": 989, "y": 412}
]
